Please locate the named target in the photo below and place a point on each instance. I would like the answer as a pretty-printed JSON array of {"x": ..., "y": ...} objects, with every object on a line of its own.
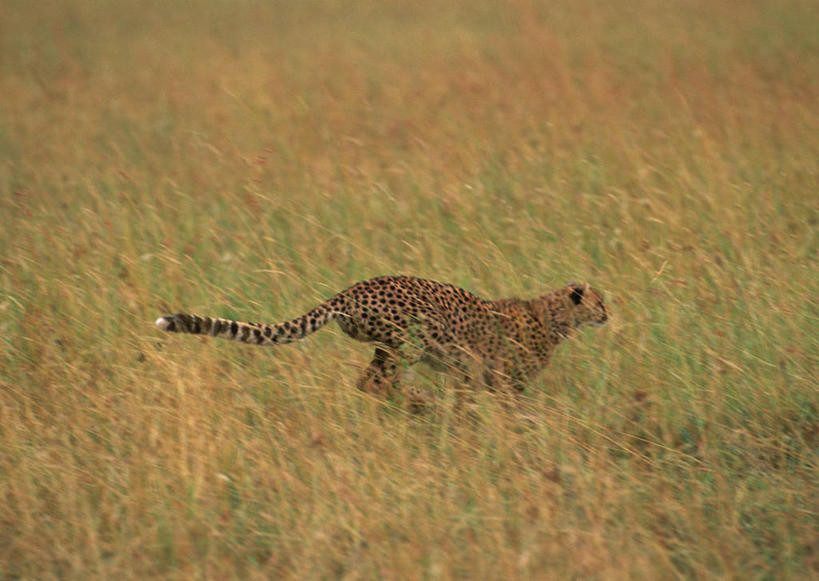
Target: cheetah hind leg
[
  {"x": 382, "y": 378},
  {"x": 381, "y": 375}
]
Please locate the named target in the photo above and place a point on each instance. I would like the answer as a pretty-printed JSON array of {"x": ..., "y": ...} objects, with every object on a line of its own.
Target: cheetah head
[{"x": 587, "y": 305}]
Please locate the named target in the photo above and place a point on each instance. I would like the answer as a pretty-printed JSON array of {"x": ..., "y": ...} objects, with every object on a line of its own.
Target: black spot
[
  {"x": 267, "y": 332},
  {"x": 258, "y": 335},
  {"x": 234, "y": 328},
  {"x": 577, "y": 295}
]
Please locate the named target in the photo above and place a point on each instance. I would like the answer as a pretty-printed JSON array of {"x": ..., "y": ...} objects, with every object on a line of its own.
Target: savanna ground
[{"x": 249, "y": 159}]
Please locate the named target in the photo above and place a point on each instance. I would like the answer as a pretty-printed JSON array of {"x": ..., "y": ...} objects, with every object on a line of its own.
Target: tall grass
[{"x": 249, "y": 159}]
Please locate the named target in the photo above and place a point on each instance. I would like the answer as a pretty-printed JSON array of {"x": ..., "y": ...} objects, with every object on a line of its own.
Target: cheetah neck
[{"x": 551, "y": 311}]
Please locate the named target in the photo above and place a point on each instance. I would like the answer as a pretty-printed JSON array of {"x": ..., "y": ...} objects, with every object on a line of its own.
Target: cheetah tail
[{"x": 252, "y": 333}]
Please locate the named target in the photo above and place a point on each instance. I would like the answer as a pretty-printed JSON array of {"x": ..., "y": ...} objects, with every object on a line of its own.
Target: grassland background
[{"x": 248, "y": 159}]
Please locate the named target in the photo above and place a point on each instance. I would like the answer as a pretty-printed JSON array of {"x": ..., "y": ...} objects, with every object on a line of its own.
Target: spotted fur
[{"x": 497, "y": 343}]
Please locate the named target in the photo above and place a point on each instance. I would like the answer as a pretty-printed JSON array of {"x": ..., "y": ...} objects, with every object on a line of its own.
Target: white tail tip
[{"x": 163, "y": 323}]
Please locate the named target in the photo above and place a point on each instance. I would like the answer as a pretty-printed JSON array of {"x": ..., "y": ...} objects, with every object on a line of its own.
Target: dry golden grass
[{"x": 248, "y": 159}]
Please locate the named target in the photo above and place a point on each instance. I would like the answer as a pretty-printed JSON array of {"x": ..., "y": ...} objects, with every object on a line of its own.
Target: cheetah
[{"x": 498, "y": 344}]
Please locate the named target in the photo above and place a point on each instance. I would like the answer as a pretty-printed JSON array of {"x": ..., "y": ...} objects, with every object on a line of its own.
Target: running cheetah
[{"x": 500, "y": 344}]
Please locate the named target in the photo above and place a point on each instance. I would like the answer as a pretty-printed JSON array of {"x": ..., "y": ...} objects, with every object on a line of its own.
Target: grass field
[{"x": 248, "y": 159}]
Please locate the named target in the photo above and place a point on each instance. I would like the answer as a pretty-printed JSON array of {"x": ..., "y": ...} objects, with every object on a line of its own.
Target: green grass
[{"x": 249, "y": 159}]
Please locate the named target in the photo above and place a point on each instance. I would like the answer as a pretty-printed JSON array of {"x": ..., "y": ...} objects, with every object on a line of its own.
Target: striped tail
[{"x": 252, "y": 333}]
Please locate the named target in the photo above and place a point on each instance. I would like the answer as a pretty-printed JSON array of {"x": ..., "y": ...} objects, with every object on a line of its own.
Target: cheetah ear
[{"x": 577, "y": 293}]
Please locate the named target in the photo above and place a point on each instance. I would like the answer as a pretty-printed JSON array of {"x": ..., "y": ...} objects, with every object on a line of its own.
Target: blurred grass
[{"x": 249, "y": 159}]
